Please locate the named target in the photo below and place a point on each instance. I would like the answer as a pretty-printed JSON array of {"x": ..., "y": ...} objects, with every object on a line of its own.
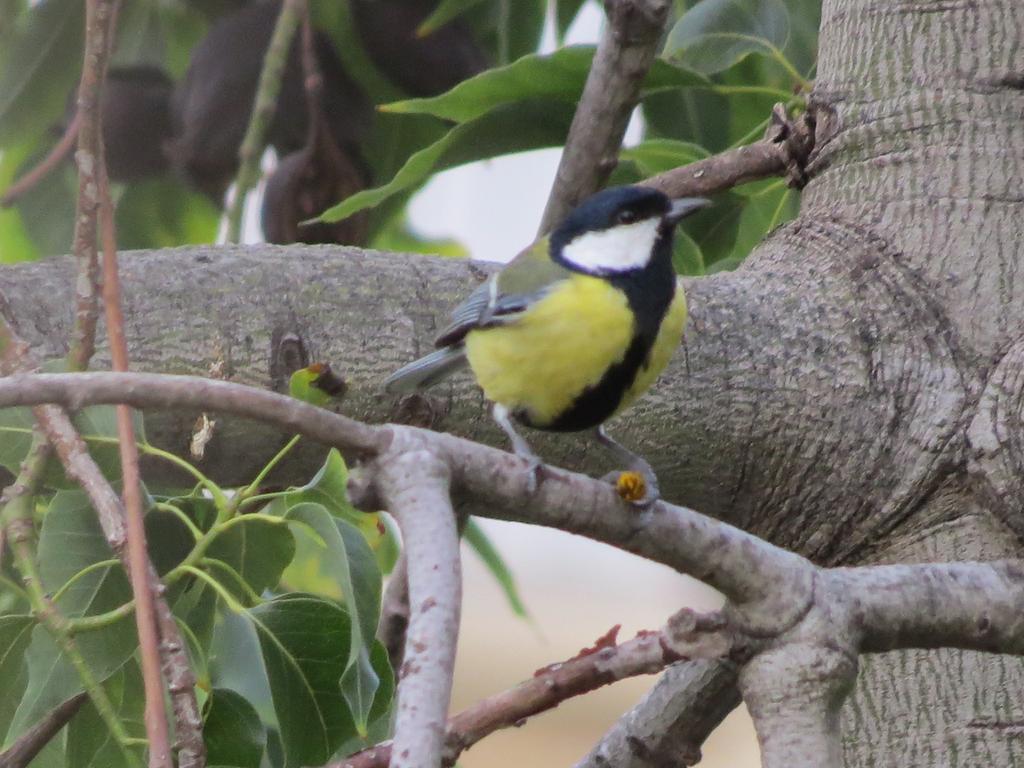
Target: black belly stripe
[
  {"x": 596, "y": 404},
  {"x": 649, "y": 293}
]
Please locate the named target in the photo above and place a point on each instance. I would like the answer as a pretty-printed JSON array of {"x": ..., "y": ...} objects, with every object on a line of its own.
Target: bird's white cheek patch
[{"x": 618, "y": 249}]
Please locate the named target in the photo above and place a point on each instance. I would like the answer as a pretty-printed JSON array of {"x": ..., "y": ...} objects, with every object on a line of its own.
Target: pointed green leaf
[
  {"x": 97, "y": 424},
  {"x": 304, "y": 641},
  {"x": 70, "y": 541},
  {"x": 445, "y": 11},
  {"x": 15, "y": 633},
  {"x": 351, "y": 564},
  {"x": 715, "y": 34},
  {"x": 234, "y": 734},
  {"x": 491, "y": 557},
  {"x": 39, "y": 66},
  {"x": 655, "y": 156},
  {"x": 557, "y": 76},
  {"x": 257, "y": 547},
  {"x": 90, "y": 744},
  {"x": 510, "y": 128}
]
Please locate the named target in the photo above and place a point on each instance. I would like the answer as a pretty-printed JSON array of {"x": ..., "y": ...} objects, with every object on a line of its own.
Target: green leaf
[
  {"x": 257, "y": 547},
  {"x": 39, "y": 67},
  {"x": 97, "y": 424},
  {"x": 71, "y": 540},
  {"x": 655, "y": 156},
  {"x": 90, "y": 744},
  {"x": 15, "y": 633},
  {"x": 445, "y": 11},
  {"x": 511, "y": 128},
  {"x": 491, "y": 557},
  {"x": 234, "y": 734},
  {"x": 351, "y": 564},
  {"x": 304, "y": 641},
  {"x": 715, "y": 34},
  {"x": 687, "y": 257},
  {"x": 559, "y": 75},
  {"x": 15, "y": 241},
  {"x": 161, "y": 213}
]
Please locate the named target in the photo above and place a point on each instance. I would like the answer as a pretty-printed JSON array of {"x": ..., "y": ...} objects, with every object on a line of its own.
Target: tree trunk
[{"x": 853, "y": 392}]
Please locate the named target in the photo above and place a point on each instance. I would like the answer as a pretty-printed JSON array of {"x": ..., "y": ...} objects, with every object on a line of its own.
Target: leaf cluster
[{"x": 185, "y": 73}]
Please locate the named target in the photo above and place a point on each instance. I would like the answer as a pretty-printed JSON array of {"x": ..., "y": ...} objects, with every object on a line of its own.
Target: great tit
[{"x": 576, "y": 327}]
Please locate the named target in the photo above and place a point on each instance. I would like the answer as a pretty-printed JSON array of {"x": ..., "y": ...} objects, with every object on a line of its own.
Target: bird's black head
[{"x": 619, "y": 229}]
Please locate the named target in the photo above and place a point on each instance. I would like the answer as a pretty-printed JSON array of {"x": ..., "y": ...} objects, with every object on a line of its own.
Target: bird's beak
[{"x": 683, "y": 207}]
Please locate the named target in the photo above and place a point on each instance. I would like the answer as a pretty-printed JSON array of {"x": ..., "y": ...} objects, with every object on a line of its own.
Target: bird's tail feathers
[{"x": 427, "y": 371}]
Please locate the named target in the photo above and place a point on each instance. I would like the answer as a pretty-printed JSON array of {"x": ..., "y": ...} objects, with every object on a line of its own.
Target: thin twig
[
  {"x": 138, "y": 558},
  {"x": 17, "y": 520},
  {"x": 687, "y": 635},
  {"x": 415, "y": 485},
  {"x": 57, "y": 155},
  {"x": 24, "y": 750},
  {"x": 264, "y": 106},
  {"x": 100, "y": 18},
  {"x": 624, "y": 54}
]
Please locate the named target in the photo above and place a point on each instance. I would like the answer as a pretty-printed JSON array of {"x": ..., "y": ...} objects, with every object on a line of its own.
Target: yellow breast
[{"x": 562, "y": 345}]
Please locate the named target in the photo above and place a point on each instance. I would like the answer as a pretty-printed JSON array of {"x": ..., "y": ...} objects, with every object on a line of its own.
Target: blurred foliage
[
  {"x": 454, "y": 81},
  {"x": 278, "y": 590}
]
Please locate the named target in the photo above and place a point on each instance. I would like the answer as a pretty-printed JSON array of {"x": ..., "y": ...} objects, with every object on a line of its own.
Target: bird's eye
[{"x": 626, "y": 217}]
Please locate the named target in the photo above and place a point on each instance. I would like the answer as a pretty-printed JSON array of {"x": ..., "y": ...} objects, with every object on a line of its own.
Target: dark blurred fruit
[
  {"x": 423, "y": 66},
  {"x": 212, "y": 105},
  {"x": 136, "y": 121},
  {"x": 302, "y": 186}
]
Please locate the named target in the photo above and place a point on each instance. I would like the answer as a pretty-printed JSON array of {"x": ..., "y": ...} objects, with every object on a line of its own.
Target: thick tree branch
[
  {"x": 687, "y": 635},
  {"x": 623, "y": 56},
  {"x": 414, "y": 484},
  {"x": 672, "y": 721}
]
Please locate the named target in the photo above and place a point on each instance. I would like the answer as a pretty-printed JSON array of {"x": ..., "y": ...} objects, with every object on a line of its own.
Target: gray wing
[{"x": 505, "y": 295}]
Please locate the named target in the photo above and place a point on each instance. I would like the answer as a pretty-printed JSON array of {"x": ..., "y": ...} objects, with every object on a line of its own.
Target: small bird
[{"x": 576, "y": 327}]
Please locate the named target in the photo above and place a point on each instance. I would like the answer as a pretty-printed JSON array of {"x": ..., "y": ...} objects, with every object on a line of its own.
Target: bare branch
[
  {"x": 45, "y": 167},
  {"x": 687, "y": 635},
  {"x": 742, "y": 566},
  {"x": 414, "y": 483},
  {"x": 964, "y": 605},
  {"x": 100, "y": 19},
  {"x": 623, "y": 56},
  {"x": 24, "y": 750},
  {"x": 793, "y": 694},
  {"x": 140, "y": 570},
  {"x": 669, "y": 725}
]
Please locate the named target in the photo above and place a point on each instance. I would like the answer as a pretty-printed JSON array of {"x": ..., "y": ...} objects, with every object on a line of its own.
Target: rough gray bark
[{"x": 855, "y": 392}]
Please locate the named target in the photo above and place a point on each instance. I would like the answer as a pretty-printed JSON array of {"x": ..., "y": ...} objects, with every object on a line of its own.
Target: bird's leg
[
  {"x": 633, "y": 463},
  {"x": 519, "y": 444}
]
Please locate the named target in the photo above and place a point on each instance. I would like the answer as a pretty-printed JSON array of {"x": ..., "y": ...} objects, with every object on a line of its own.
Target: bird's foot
[{"x": 533, "y": 472}]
